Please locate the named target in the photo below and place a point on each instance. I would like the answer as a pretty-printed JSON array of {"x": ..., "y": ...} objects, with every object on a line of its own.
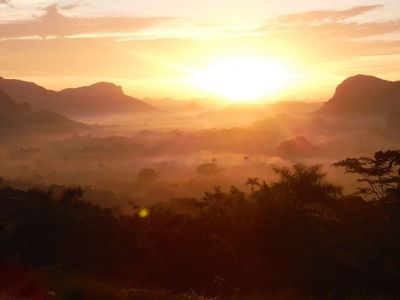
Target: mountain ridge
[
  {"x": 16, "y": 118},
  {"x": 101, "y": 98},
  {"x": 364, "y": 95}
]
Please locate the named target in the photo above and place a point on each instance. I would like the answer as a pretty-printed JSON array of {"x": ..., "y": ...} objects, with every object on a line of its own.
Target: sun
[{"x": 242, "y": 79}]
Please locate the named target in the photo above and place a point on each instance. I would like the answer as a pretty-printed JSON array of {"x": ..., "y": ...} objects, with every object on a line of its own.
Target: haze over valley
[
  {"x": 42, "y": 146},
  {"x": 199, "y": 150}
]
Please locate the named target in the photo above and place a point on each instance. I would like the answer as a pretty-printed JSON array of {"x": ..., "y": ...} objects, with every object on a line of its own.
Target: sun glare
[{"x": 242, "y": 79}]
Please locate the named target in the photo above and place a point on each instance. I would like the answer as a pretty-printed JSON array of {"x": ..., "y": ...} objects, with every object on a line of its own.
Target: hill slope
[
  {"x": 17, "y": 118},
  {"x": 364, "y": 95},
  {"x": 98, "y": 99}
]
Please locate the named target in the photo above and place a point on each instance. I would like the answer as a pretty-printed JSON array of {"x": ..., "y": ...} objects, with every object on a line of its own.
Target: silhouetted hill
[
  {"x": 27, "y": 92},
  {"x": 10, "y": 111},
  {"x": 7, "y": 105},
  {"x": 364, "y": 95},
  {"x": 98, "y": 99},
  {"x": 15, "y": 118}
]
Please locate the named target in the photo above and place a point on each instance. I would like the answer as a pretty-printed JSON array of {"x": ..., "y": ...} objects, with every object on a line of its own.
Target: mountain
[
  {"x": 7, "y": 105},
  {"x": 18, "y": 118},
  {"x": 10, "y": 111},
  {"x": 100, "y": 98},
  {"x": 364, "y": 95},
  {"x": 97, "y": 99},
  {"x": 27, "y": 92}
]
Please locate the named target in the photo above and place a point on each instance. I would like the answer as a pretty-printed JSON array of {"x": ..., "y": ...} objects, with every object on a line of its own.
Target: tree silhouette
[
  {"x": 147, "y": 176},
  {"x": 306, "y": 184},
  {"x": 252, "y": 182},
  {"x": 379, "y": 172},
  {"x": 296, "y": 233},
  {"x": 207, "y": 169}
]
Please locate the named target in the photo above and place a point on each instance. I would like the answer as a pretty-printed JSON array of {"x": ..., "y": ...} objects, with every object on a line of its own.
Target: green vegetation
[{"x": 297, "y": 237}]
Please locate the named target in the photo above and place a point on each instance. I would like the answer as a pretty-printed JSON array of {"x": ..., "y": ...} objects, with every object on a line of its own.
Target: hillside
[
  {"x": 364, "y": 95},
  {"x": 97, "y": 99},
  {"x": 20, "y": 118}
]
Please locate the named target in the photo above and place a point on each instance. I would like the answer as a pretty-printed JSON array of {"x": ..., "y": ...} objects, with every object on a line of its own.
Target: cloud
[
  {"x": 333, "y": 35},
  {"x": 69, "y": 6},
  {"x": 328, "y": 15},
  {"x": 331, "y": 24},
  {"x": 52, "y": 22},
  {"x": 6, "y": 2},
  {"x": 319, "y": 24},
  {"x": 312, "y": 39},
  {"x": 340, "y": 30}
]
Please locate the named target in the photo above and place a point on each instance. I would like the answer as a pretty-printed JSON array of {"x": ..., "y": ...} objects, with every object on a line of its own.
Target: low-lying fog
[{"x": 147, "y": 158}]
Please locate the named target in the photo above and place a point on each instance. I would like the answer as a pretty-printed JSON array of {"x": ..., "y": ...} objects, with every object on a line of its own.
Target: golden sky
[{"x": 153, "y": 47}]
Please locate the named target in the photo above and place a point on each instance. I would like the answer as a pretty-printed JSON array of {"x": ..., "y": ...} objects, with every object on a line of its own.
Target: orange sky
[{"x": 153, "y": 47}]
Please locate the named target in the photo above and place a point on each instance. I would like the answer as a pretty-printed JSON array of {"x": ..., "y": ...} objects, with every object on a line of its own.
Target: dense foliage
[{"x": 299, "y": 234}]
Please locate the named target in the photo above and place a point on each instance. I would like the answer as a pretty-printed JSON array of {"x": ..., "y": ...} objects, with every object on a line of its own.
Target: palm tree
[{"x": 252, "y": 182}]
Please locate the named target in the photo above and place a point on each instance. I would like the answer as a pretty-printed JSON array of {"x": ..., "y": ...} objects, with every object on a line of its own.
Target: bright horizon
[{"x": 188, "y": 49}]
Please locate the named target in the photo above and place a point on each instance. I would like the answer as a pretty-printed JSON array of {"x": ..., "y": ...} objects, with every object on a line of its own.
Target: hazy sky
[{"x": 151, "y": 47}]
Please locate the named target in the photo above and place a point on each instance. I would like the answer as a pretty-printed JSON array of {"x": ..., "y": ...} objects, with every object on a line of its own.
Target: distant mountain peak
[
  {"x": 100, "y": 87},
  {"x": 363, "y": 77},
  {"x": 361, "y": 84},
  {"x": 101, "y": 98},
  {"x": 363, "y": 94},
  {"x": 105, "y": 84},
  {"x": 17, "y": 118}
]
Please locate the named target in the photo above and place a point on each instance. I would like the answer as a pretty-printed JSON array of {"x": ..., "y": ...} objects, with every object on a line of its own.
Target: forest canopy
[{"x": 299, "y": 234}]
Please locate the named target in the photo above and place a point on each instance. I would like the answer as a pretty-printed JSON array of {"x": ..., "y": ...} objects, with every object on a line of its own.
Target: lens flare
[{"x": 144, "y": 213}]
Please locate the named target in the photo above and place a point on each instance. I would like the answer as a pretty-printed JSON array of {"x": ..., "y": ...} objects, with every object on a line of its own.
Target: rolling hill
[
  {"x": 20, "y": 118},
  {"x": 364, "y": 95},
  {"x": 94, "y": 100}
]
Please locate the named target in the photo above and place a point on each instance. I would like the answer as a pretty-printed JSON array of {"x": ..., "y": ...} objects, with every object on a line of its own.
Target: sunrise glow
[
  {"x": 200, "y": 149},
  {"x": 242, "y": 79}
]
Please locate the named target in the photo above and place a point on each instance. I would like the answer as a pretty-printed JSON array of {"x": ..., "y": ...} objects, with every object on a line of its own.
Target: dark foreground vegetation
[{"x": 298, "y": 236}]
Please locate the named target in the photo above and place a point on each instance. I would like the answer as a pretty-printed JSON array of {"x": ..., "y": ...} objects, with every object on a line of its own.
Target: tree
[
  {"x": 72, "y": 193},
  {"x": 379, "y": 172},
  {"x": 252, "y": 182},
  {"x": 305, "y": 185},
  {"x": 147, "y": 176},
  {"x": 207, "y": 169}
]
